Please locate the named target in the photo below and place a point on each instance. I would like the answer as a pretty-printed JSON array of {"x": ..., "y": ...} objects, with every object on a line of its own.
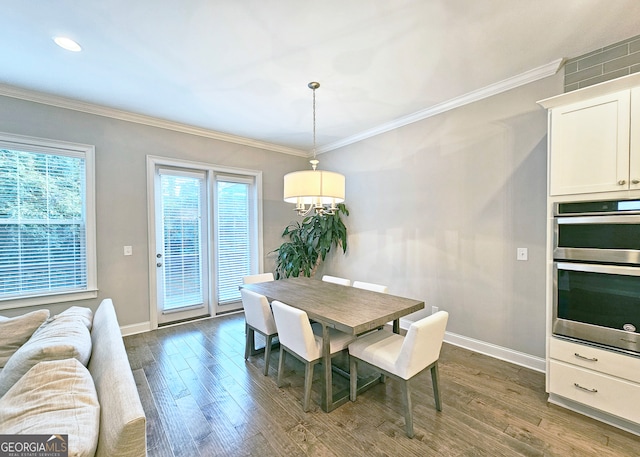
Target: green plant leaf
[{"x": 309, "y": 242}]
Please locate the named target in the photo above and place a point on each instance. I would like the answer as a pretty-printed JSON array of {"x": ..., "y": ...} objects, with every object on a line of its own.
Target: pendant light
[{"x": 319, "y": 189}]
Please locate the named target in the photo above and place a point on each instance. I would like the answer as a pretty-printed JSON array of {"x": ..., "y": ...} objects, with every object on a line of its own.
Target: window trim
[
  {"x": 212, "y": 170},
  {"x": 44, "y": 145}
]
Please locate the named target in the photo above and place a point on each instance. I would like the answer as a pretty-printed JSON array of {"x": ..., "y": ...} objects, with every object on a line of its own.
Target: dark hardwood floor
[{"x": 202, "y": 398}]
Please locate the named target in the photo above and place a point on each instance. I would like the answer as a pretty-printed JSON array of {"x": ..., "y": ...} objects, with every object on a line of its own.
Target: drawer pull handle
[
  {"x": 585, "y": 388},
  {"x": 590, "y": 359}
]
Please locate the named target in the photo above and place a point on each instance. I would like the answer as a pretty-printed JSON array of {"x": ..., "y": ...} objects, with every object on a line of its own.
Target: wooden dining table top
[{"x": 345, "y": 308}]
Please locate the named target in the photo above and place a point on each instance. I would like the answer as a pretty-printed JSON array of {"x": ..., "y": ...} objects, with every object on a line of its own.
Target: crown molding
[
  {"x": 76, "y": 105},
  {"x": 470, "y": 97}
]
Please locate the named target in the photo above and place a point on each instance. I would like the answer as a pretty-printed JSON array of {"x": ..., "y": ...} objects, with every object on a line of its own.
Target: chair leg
[
  {"x": 308, "y": 380},
  {"x": 408, "y": 414},
  {"x": 281, "y": 366},
  {"x": 267, "y": 354},
  {"x": 436, "y": 389},
  {"x": 249, "y": 343},
  {"x": 353, "y": 378}
]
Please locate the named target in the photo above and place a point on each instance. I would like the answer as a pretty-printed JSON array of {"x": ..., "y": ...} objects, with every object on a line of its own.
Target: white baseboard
[
  {"x": 135, "y": 328},
  {"x": 498, "y": 352},
  {"x": 492, "y": 350}
]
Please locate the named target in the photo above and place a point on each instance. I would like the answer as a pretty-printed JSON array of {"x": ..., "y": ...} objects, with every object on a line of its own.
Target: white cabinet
[
  {"x": 599, "y": 391},
  {"x": 594, "y": 138},
  {"x": 594, "y": 154},
  {"x": 601, "y": 379},
  {"x": 595, "y": 359},
  {"x": 589, "y": 146}
]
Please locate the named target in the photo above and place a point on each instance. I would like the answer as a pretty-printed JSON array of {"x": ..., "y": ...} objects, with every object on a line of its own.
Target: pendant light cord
[{"x": 313, "y": 86}]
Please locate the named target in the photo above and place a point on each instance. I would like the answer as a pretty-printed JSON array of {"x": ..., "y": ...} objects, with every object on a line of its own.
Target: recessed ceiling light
[{"x": 67, "y": 43}]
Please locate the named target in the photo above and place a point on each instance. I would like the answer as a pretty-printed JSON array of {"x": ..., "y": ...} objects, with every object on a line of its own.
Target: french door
[
  {"x": 204, "y": 235},
  {"x": 181, "y": 245}
]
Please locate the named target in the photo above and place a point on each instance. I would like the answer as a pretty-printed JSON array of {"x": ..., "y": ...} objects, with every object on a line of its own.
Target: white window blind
[
  {"x": 182, "y": 199},
  {"x": 234, "y": 235},
  {"x": 43, "y": 226}
]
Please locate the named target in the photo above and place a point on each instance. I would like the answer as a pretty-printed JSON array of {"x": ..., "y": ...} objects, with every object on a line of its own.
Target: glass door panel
[{"x": 182, "y": 245}]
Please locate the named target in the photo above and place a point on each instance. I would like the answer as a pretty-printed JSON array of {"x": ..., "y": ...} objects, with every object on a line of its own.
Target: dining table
[{"x": 348, "y": 309}]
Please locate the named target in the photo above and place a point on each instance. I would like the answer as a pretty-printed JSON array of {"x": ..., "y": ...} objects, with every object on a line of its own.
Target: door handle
[{"x": 622, "y": 182}]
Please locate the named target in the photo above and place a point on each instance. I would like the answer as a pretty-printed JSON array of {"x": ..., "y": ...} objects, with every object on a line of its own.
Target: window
[{"x": 47, "y": 240}]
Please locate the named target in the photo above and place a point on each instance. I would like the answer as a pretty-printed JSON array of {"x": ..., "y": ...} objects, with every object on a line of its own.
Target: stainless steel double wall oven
[{"x": 597, "y": 273}]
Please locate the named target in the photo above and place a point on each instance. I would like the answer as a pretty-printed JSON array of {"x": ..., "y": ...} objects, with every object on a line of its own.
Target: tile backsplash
[{"x": 603, "y": 64}]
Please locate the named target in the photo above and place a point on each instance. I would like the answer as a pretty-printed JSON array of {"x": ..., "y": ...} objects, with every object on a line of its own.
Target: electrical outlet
[
  {"x": 434, "y": 309},
  {"x": 522, "y": 254},
  {"x": 128, "y": 250}
]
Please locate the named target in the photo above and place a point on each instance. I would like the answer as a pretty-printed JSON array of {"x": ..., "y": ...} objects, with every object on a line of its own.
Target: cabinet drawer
[
  {"x": 596, "y": 390},
  {"x": 608, "y": 362}
]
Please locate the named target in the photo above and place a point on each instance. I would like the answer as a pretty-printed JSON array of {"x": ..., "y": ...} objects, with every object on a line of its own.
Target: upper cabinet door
[
  {"x": 589, "y": 145},
  {"x": 634, "y": 157}
]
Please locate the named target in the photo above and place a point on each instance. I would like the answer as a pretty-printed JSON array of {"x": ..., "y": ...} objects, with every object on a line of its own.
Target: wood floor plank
[
  {"x": 156, "y": 438},
  {"x": 203, "y": 398},
  {"x": 174, "y": 426}
]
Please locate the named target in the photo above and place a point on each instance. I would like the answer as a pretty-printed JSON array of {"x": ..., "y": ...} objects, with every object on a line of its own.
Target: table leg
[
  {"x": 396, "y": 326},
  {"x": 326, "y": 357}
]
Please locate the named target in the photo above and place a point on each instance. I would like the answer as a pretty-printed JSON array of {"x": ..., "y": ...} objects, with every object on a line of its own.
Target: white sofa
[{"x": 71, "y": 377}]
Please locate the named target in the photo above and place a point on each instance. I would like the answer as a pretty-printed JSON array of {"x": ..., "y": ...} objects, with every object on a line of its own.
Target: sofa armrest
[{"x": 122, "y": 419}]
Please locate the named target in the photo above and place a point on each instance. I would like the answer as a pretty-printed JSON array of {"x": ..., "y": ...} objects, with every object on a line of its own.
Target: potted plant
[{"x": 309, "y": 243}]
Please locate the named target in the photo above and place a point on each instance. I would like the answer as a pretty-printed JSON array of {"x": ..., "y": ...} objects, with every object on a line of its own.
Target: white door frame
[{"x": 211, "y": 169}]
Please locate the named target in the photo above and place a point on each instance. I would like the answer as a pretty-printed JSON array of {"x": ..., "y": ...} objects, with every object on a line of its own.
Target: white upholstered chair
[
  {"x": 298, "y": 338},
  {"x": 402, "y": 358},
  {"x": 370, "y": 286},
  {"x": 258, "y": 318},
  {"x": 262, "y": 277},
  {"x": 336, "y": 280}
]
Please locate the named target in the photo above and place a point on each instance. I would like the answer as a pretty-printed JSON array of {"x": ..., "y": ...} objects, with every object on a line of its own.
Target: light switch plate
[
  {"x": 128, "y": 250},
  {"x": 522, "y": 254}
]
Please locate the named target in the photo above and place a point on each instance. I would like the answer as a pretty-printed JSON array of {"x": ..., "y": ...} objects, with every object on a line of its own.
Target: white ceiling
[{"x": 241, "y": 67}]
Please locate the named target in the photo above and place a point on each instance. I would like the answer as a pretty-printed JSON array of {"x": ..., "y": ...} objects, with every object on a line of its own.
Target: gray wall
[
  {"x": 439, "y": 207},
  {"x": 121, "y": 189}
]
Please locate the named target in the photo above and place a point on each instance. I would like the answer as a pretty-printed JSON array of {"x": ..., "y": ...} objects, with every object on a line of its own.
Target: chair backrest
[
  {"x": 421, "y": 346},
  {"x": 370, "y": 286},
  {"x": 257, "y": 312},
  {"x": 294, "y": 330},
  {"x": 336, "y": 280},
  {"x": 262, "y": 277}
]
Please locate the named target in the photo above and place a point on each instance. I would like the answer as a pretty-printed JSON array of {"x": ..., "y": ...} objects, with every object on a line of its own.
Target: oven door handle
[
  {"x": 598, "y": 268},
  {"x": 622, "y": 219}
]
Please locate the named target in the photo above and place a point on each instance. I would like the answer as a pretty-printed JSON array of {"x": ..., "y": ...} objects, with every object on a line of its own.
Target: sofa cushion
[
  {"x": 55, "y": 340},
  {"x": 54, "y": 398},
  {"x": 15, "y": 331},
  {"x": 84, "y": 315}
]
